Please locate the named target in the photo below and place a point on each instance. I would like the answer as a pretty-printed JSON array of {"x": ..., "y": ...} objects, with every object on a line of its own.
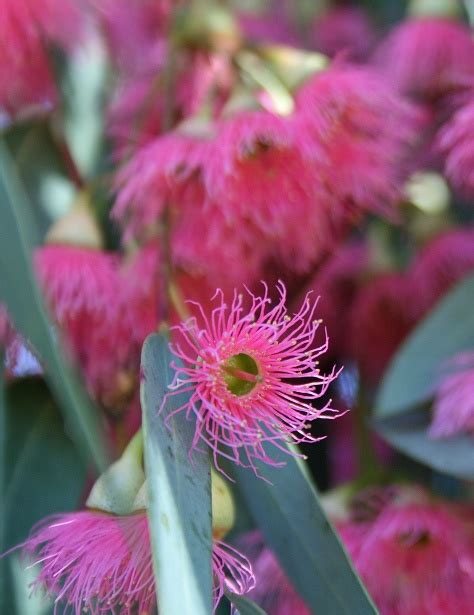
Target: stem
[
  {"x": 66, "y": 156},
  {"x": 367, "y": 459}
]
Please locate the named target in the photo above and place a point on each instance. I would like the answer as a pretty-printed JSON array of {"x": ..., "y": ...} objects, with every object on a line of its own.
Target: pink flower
[
  {"x": 204, "y": 241},
  {"x": 337, "y": 281},
  {"x": 26, "y": 27},
  {"x": 101, "y": 563},
  {"x": 256, "y": 171},
  {"x": 82, "y": 288},
  {"x": 357, "y": 132},
  {"x": 415, "y": 561},
  {"x": 380, "y": 318},
  {"x": 456, "y": 141},
  {"x": 252, "y": 375},
  {"x": 135, "y": 31},
  {"x": 346, "y": 30},
  {"x": 447, "y": 259},
  {"x": 453, "y": 407},
  {"x": 428, "y": 58}
]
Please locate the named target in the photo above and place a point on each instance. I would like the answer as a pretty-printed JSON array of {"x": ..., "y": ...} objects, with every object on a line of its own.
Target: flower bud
[
  {"x": 293, "y": 66},
  {"x": 207, "y": 27},
  {"x": 116, "y": 490},
  {"x": 223, "y": 510},
  {"x": 78, "y": 227}
]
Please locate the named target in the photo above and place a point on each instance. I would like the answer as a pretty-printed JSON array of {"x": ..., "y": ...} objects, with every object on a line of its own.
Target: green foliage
[
  {"x": 287, "y": 509},
  {"x": 401, "y": 414},
  {"x": 244, "y": 605},
  {"x": 179, "y": 492},
  {"x": 18, "y": 290},
  {"x": 42, "y": 471}
]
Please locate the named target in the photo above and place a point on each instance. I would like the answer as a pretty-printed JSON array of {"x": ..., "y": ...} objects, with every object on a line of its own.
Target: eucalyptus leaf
[
  {"x": 18, "y": 290},
  {"x": 179, "y": 492},
  {"x": 243, "y": 605},
  {"x": 412, "y": 376},
  {"x": 288, "y": 512},
  {"x": 409, "y": 434}
]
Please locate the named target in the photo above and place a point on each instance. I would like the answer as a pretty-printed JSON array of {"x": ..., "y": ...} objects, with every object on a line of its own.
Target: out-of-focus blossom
[
  {"x": 256, "y": 171},
  {"x": 428, "y": 58},
  {"x": 100, "y": 563},
  {"x": 381, "y": 317},
  {"x": 456, "y": 141},
  {"x": 443, "y": 262},
  {"x": 82, "y": 288},
  {"x": 428, "y": 568},
  {"x": 252, "y": 376},
  {"x": 453, "y": 408},
  {"x": 268, "y": 28},
  {"x": 358, "y": 132},
  {"x": 346, "y": 30},
  {"x": 27, "y": 27},
  {"x": 337, "y": 282},
  {"x": 135, "y": 31}
]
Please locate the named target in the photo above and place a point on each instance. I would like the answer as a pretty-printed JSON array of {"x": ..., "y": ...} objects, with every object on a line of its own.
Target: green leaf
[
  {"x": 18, "y": 290},
  {"x": 412, "y": 375},
  {"x": 244, "y": 605},
  {"x": 288, "y": 512},
  {"x": 408, "y": 434},
  {"x": 42, "y": 473},
  {"x": 179, "y": 492}
]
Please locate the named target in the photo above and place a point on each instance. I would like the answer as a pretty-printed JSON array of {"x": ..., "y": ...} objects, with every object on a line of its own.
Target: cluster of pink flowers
[{"x": 238, "y": 168}]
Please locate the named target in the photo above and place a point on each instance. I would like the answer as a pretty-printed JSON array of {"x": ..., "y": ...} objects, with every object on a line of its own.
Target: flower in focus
[
  {"x": 428, "y": 58},
  {"x": 102, "y": 563},
  {"x": 26, "y": 27},
  {"x": 346, "y": 30},
  {"x": 358, "y": 132},
  {"x": 456, "y": 142},
  {"x": 252, "y": 375},
  {"x": 453, "y": 409}
]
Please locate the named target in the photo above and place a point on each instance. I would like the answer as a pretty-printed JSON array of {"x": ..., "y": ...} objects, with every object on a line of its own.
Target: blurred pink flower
[
  {"x": 135, "y": 31},
  {"x": 27, "y": 27},
  {"x": 428, "y": 58},
  {"x": 453, "y": 408},
  {"x": 357, "y": 131},
  {"x": 344, "y": 29},
  {"x": 101, "y": 563},
  {"x": 252, "y": 376},
  {"x": 380, "y": 318},
  {"x": 456, "y": 142},
  {"x": 272, "y": 27},
  {"x": 207, "y": 238},
  {"x": 445, "y": 260},
  {"x": 255, "y": 170},
  {"x": 336, "y": 282},
  {"x": 415, "y": 561},
  {"x": 83, "y": 290}
]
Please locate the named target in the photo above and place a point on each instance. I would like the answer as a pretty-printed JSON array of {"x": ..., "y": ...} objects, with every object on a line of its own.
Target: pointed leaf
[
  {"x": 290, "y": 516},
  {"x": 409, "y": 434},
  {"x": 179, "y": 492},
  {"x": 412, "y": 375},
  {"x": 244, "y": 606},
  {"x": 18, "y": 290}
]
